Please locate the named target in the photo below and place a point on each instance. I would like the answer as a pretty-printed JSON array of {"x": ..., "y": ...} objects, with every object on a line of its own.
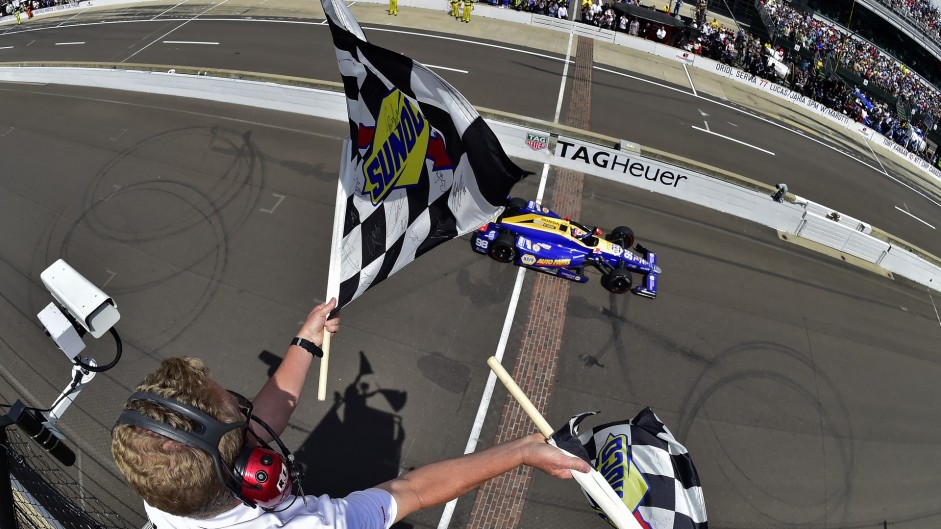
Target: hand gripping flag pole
[{"x": 593, "y": 483}]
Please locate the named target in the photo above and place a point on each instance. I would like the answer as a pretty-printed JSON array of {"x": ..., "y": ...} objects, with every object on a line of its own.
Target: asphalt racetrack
[{"x": 805, "y": 388}]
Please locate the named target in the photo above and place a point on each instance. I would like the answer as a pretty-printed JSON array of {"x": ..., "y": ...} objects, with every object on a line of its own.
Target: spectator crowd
[
  {"x": 605, "y": 16},
  {"x": 829, "y": 46},
  {"x": 551, "y": 8},
  {"x": 922, "y": 12},
  {"x": 829, "y": 42},
  {"x": 10, "y": 7}
]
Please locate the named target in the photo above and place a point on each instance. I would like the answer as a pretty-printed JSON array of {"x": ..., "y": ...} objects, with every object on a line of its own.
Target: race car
[{"x": 534, "y": 237}]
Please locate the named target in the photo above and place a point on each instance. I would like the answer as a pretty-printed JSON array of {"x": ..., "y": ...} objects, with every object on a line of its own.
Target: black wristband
[{"x": 308, "y": 346}]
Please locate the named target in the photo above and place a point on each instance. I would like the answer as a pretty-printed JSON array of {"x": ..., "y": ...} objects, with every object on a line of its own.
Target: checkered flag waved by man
[
  {"x": 424, "y": 167},
  {"x": 645, "y": 465}
]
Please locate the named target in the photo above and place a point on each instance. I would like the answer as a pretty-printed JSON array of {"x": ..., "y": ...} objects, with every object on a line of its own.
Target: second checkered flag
[{"x": 645, "y": 465}]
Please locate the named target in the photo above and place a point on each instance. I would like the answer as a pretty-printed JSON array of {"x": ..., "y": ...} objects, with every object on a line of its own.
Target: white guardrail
[{"x": 802, "y": 218}]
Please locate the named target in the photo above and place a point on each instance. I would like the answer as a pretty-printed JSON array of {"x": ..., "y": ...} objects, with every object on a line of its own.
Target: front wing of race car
[{"x": 649, "y": 288}]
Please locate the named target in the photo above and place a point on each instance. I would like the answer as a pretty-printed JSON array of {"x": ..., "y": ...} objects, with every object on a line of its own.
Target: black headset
[{"x": 259, "y": 477}]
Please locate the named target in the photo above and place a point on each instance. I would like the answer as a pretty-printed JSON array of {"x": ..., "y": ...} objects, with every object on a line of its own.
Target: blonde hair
[{"x": 169, "y": 475}]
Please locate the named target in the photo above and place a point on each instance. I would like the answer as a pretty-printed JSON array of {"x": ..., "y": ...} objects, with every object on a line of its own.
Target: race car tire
[
  {"x": 617, "y": 281},
  {"x": 503, "y": 248},
  {"x": 622, "y": 236}
]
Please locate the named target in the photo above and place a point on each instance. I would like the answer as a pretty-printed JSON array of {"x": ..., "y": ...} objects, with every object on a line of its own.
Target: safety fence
[{"x": 38, "y": 493}]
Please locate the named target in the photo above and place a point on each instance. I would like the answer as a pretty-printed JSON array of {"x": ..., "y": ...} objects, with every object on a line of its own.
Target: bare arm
[
  {"x": 443, "y": 481},
  {"x": 277, "y": 399}
]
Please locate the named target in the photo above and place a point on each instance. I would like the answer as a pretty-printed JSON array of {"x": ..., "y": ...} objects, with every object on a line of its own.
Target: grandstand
[{"x": 905, "y": 30}]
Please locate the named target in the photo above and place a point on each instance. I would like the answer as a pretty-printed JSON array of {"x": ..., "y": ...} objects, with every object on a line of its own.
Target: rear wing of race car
[{"x": 649, "y": 288}]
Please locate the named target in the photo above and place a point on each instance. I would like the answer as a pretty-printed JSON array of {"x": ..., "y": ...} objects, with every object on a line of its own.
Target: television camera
[{"x": 79, "y": 308}]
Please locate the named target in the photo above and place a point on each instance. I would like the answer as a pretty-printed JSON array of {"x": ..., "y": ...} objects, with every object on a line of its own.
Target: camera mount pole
[{"x": 80, "y": 377}]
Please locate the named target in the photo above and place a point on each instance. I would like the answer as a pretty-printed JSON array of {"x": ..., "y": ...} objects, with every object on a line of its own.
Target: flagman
[
  {"x": 468, "y": 6},
  {"x": 159, "y": 431}
]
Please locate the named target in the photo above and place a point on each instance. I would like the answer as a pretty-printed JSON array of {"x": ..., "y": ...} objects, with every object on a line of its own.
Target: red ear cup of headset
[
  {"x": 264, "y": 476},
  {"x": 260, "y": 476}
]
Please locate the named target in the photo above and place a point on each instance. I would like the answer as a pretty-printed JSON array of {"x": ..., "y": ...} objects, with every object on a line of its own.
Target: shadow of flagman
[{"x": 355, "y": 446}]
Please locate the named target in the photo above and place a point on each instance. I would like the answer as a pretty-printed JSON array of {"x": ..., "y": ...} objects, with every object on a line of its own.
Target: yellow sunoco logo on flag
[
  {"x": 399, "y": 147},
  {"x": 620, "y": 471}
]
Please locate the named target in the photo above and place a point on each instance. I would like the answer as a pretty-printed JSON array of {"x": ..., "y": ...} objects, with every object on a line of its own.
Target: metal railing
[{"x": 38, "y": 493}]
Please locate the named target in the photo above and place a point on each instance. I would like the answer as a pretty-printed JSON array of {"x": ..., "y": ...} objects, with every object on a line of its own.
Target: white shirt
[{"x": 368, "y": 509}]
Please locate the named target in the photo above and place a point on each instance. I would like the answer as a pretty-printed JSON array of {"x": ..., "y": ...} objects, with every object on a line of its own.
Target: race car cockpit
[{"x": 587, "y": 236}]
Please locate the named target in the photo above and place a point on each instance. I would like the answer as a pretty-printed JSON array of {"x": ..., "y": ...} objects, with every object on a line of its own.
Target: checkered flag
[
  {"x": 423, "y": 168},
  {"x": 645, "y": 465}
]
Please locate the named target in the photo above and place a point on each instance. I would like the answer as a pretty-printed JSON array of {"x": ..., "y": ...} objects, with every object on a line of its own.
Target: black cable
[{"x": 119, "y": 347}]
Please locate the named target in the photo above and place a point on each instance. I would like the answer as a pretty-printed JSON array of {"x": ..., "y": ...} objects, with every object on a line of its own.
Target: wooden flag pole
[
  {"x": 324, "y": 362},
  {"x": 333, "y": 269},
  {"x": 593, "y": 482},
  {"x": 541, "y": 424}
]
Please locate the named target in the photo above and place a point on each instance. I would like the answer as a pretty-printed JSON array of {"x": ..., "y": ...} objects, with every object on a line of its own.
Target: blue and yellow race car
[{"x": 534, "y": 237}]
